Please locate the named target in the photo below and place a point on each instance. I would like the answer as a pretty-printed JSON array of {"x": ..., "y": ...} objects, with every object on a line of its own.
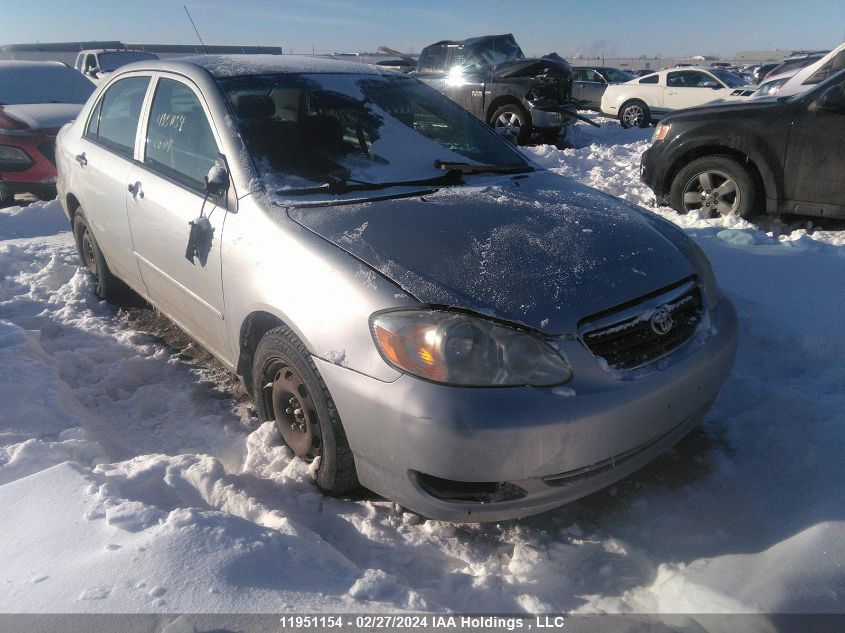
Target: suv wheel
[
  {"x": 634, "y": 114},
  {"x": 714, "y": 185},
  {"x": 290, "y": 392},
  {"x": 512, "y": 120}
]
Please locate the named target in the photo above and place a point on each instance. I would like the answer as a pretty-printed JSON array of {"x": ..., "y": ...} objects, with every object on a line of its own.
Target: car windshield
[
  {"x": 303, "y": 129},
  {"x": 731, "y": 80},
  {"x": 616, "y": 75},
  {"x": 111, "y": 61},
  {"x": 43, "y": 84}
]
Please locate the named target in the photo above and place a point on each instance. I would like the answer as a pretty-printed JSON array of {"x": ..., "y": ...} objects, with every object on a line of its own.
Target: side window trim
[
  {"x": 98, "y": 107},
  {"x": 141, "y": 141}
]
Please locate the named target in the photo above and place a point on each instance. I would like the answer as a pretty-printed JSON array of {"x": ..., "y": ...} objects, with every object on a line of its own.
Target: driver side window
[{"x": 690, "y": 79}]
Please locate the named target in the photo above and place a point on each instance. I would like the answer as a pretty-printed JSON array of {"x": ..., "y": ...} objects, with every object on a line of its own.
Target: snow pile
[{"x": 132, "y": 482}]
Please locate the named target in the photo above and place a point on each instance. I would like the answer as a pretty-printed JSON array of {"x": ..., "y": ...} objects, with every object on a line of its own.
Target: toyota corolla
[{"x": 418, "y": 308}]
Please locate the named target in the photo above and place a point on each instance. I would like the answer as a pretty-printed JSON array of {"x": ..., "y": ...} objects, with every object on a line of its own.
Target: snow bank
[{"x": 134, "y": 483}]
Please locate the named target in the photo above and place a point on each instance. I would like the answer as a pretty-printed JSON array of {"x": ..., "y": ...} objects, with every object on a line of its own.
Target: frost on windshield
[{"x": 304, "y": 131}]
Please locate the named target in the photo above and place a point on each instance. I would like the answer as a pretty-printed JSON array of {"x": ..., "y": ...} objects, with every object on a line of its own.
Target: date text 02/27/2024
[{"x": 395, "y": 622}]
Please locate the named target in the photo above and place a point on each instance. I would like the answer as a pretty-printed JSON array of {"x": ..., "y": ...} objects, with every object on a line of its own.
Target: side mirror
[
  {"x": 832, "y": 100},
  {"x": 217, "y": 180},
  {"x": 92, "y": 72}
]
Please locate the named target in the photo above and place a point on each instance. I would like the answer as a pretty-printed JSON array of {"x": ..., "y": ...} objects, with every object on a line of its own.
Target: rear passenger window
[
  {"x": 180, "y": 143},
  {"x": 114, "y": 121},
  {"x": 649, "y": 79}
]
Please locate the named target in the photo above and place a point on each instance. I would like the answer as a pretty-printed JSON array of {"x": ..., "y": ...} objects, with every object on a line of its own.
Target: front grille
[
  {"x": 48, "y": 148},
  {"x": 635, "y": 334}
]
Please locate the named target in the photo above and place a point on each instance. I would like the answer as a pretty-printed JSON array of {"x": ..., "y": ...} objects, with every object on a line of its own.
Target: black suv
[
  {"x": 784, "y": 155},
  {"x": 492, "y": 78}
]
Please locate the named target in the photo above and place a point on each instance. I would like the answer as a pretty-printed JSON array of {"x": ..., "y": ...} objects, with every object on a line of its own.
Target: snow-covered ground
[{"x": 132, "y": 479}]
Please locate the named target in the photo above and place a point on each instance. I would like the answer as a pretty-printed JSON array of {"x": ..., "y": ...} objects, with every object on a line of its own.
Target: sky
[{"x": 607, "y": 27}]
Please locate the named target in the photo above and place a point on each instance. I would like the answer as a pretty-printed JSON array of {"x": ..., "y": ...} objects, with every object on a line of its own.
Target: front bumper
[
  {"x": 653, "y": 174},
  {"x": 554, "y": 448},
  {"x": 550, "y": 117},
  {"x": 38, "y": 177}
]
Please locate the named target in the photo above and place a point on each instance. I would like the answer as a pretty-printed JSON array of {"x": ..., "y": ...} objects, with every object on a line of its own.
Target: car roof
[
  {"x": 221, "y": 66},
  {"x": 22, "y": 63},
  {"x": 115, "y": 50}
]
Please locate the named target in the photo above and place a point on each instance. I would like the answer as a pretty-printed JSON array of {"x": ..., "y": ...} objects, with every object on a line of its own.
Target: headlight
[
  {"x": 660, "y": 132},
  {"x": 14, "y": 159},
  {"x": 458, "y": 349},
  {"x": 771, "y": 88},
  {"x": 705, "y": 272}
]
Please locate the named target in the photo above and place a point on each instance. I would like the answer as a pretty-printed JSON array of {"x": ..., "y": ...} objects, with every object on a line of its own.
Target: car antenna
[{"x": 205, "y": 50}]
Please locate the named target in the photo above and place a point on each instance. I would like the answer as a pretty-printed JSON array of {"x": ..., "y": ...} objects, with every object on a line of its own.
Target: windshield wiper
[
  {"x": 342, "y": 185},
  {"x": 466, "y": 168}
]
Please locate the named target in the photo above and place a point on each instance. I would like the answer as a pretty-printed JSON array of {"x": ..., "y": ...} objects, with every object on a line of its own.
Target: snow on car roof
[
  {"x": 20, "y": 64},
  {"x": 235, "y": 65}
]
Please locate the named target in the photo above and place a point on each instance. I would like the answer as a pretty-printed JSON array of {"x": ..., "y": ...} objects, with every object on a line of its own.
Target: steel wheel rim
[
  {"x": 633, "y": 115},
  {"x": 712, "y": 191},
  {"x": 293, "y": 410},
  {"x": 508, "y": 123},
  {"x": 89, "y": 259}
]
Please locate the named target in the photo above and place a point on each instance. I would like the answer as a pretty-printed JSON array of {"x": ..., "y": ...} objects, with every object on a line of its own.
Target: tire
[
  {"x": 290, "y": 392},
  {"x": 7, "y": 199},
  {"x": 714, "y": 184},
  {"x": 108, "y": 287},
  {"x": 634, "y": 113},
  {"x": 512, "y": 119}
]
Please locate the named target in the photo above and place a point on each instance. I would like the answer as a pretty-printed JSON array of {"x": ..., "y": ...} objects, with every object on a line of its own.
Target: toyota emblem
[{"x": 661, "y": 321}]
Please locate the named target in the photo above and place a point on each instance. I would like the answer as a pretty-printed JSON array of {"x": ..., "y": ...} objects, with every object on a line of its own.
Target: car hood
[
  {"x": 540, "y": 249},
  {"x": 727, "y": 108},
  {"x": 529, "y": 66},
  {"x": 43, "y": 116}
]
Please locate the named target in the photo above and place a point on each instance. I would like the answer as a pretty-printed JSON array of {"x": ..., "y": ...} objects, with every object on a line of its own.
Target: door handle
[
  {"x": 135, "y": 189},
  {"x": 80, "y": 158}
]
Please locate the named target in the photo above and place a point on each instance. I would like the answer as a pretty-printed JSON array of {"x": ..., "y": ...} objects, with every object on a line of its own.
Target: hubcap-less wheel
[
  {"x": 633, "y": 116},
  {"x": 711, "y": 192},
  {"x": 293, "y": 410},
  {"x": 508, "y": 124},
  {"x": 89, "y": 258}
]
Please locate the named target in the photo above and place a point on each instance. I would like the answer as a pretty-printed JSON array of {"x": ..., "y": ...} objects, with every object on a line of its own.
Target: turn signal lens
[{"x": 660, "y": 132}]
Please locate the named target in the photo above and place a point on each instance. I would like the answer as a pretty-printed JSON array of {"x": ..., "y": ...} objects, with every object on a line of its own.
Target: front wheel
[
  {"x": 634, "y": 114},
  {"x": 714, "y": 185},
  {"x": 290, "y": 392},
  {"x": 512, "y": 120}
]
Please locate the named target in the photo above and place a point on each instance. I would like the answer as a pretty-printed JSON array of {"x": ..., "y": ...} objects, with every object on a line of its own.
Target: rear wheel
[
  {"x": 91, "y": 258},
  {"x": 714, "y": 185},
  {"x": 634, "y": 114},
  {"x": 512, "y": 120},
  {"x": 290, "y": 392}
]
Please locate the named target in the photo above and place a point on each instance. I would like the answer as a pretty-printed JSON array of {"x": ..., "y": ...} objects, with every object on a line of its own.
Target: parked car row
[
  {"x": 415, "y": 306},
  {"x": 799, "y": 75}
]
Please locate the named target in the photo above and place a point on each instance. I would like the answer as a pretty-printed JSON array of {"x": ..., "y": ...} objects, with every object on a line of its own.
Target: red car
[{"x": 36, "y": 99}]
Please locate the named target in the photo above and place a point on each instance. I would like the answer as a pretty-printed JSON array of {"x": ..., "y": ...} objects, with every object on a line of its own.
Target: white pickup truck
[{"x": 97, "y": 63}]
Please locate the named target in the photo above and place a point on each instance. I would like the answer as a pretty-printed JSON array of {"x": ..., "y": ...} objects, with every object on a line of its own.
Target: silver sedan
[{"x": 418, "y": 308}]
